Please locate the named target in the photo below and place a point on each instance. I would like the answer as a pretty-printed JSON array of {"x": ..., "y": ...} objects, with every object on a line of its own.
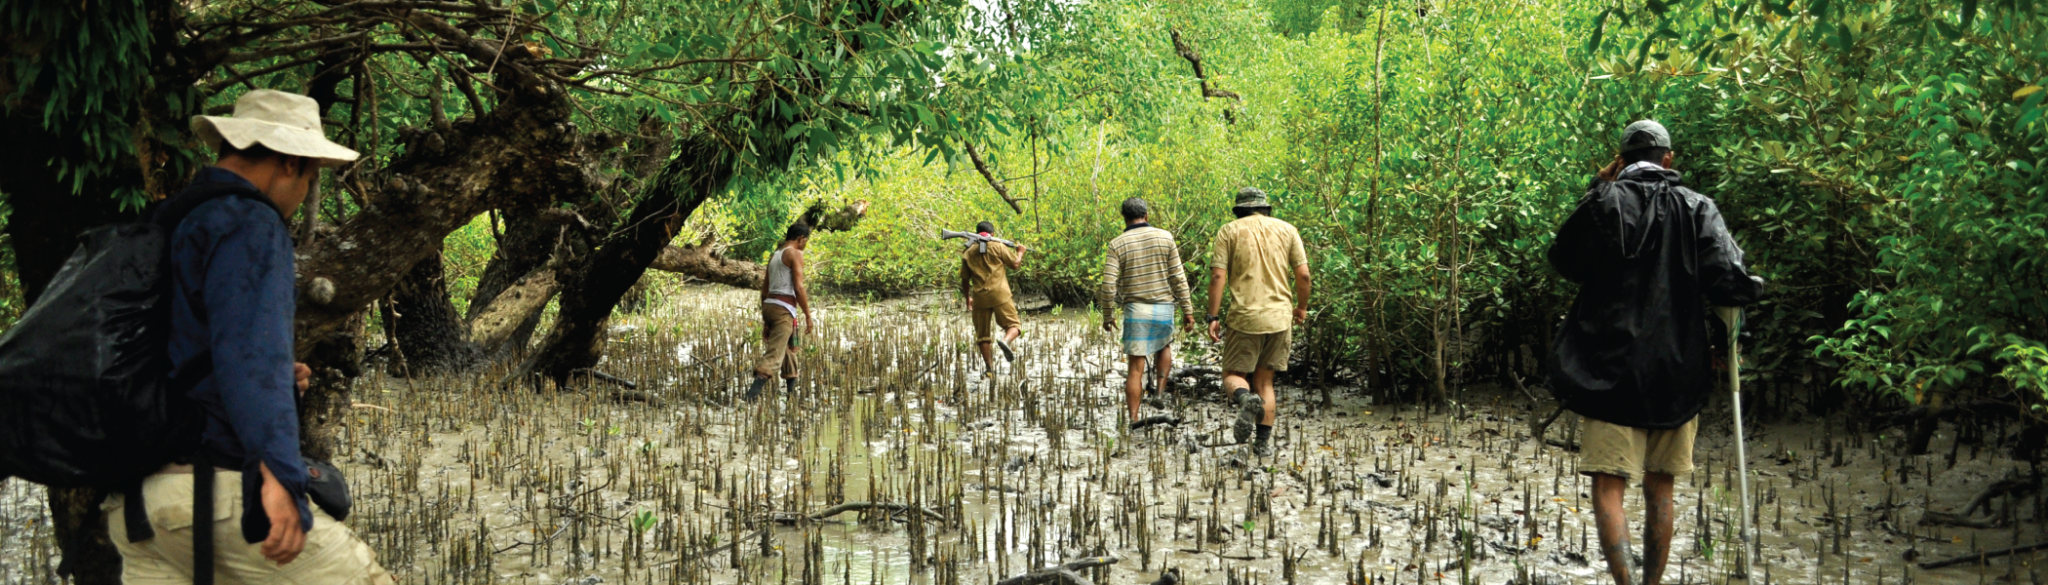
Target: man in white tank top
[{"x": 783, "y": 294}]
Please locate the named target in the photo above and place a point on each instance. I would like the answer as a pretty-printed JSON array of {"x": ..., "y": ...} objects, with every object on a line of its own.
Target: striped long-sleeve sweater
[{"x": 1143, "y": 266}]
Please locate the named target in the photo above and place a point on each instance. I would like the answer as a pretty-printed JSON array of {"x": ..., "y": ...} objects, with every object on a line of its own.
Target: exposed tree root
[
  {"x": 1157, "y": 419},
  {"x": 1064, "y": 574},
  {"x": 1984, "y": 556}
]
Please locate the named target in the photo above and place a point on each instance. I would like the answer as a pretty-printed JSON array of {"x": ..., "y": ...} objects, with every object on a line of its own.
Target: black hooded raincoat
[{"x": 1650, "y": 256}]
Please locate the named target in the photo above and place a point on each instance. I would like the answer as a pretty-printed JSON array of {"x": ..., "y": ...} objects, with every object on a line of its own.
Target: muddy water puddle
[{"x": 893, "y": 462}]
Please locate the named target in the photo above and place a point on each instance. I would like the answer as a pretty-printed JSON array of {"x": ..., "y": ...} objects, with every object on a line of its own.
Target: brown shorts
[
  {"x": 1004, "y": 314},
  {"x": 1247, "y": 352},
  {"x": 778, "y": 342},
  {"x": 1628, "y": 452}
]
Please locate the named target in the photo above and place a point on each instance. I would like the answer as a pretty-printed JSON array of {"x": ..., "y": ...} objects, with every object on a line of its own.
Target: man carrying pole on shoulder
[
  {"x": 1256, "y": 257},
  {"x": 1632, "y": 356},
  {"x": 985, "y": 267},
  {"x": 1143, "y": 274}
]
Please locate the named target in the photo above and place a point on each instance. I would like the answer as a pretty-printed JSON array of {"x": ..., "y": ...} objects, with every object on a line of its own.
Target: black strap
[
  {"x": 202, "y": 517},
  {"x": 134, "y": 512}
]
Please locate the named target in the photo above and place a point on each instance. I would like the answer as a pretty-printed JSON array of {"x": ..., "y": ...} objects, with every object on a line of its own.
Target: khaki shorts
[
  {"x": 1004, "y": 314},
  {"x": 1612, "y": 449},
  {"x": 1247, "y": 352},
  {"x": 333, "y": 554},
  {"x": 778, "y": 343}
]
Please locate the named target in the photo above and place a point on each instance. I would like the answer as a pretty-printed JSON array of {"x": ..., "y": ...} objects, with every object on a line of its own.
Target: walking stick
[{"x": 1733, "y": 317}]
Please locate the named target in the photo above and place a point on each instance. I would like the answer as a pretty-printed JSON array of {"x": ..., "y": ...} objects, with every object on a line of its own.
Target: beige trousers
[{"x": 333, "y": 555}]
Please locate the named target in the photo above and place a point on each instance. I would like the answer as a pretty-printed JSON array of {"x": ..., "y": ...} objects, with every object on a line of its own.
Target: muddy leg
[
  {"x": 1612, "y": 520},
  {"x": 1232, "y": 381},
  {"x": 1134, "y": 385},
  {"x": 1263, "y": 379},
  {"x": 1162, "y": 369},
  {"x": 1656, "y": 525}
]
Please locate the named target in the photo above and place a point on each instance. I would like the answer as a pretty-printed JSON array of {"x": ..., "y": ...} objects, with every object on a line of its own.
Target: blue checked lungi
[{"x": 1148, "y": 328}]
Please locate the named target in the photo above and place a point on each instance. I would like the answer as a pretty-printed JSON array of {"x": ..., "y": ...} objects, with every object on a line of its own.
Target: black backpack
[{"x": 86, "y": 399}]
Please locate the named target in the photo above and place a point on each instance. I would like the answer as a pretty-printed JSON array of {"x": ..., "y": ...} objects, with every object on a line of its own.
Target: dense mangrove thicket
[
  {"x": 1878, "y": 161},
  {"x": 535, "y": 170}
]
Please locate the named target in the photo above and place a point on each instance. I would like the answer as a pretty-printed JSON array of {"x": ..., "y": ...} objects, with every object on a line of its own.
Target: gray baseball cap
[
  {"x": 1645, "y": 134},
  {"x": 1251, "y": 197}
]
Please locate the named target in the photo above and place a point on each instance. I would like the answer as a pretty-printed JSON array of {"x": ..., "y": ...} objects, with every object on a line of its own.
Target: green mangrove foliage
[{"x": 1878, "y": 161}]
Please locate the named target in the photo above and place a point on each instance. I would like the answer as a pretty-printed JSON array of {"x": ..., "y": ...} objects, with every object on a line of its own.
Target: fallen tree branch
[
  {"x": 701, "y": 263},
  {"x": 604, "y": 377},
  {"x": 1064, "y": 574},
  {"x": 891, "y": 507},
  {"x": 1157, "y": 419},
  {"x": 1984, "y": 556}
]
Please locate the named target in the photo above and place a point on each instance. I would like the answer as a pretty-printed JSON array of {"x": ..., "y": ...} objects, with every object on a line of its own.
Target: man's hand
[
  {"x": 287, "y": 535},
  {"x": 809, "y": 322},
  {"x": 1109, "y": 327},
  {"x": 302, "y": 376},
  {"x": 1216, "y": 332},
  {"x": 1188, "y": 325},
  {"x": 969, "y": 299},
  {"x": 1613, "y": 169},
  {"x": 1300, "y": 315}
]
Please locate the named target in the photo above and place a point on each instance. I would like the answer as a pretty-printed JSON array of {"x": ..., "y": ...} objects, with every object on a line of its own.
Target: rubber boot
[
  {"x": 1250, "y": 410},
  {"x": 754, "y": 392}
]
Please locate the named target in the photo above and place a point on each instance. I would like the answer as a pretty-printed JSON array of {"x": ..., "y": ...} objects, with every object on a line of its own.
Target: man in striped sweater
[{"x": 1143, "y": 275}]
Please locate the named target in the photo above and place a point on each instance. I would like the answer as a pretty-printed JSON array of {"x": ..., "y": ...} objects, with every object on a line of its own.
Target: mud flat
[{"x": 893, "y": 462}]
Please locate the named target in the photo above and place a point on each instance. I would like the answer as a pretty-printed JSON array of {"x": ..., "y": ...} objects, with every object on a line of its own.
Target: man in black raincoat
[{"x": 1633, "y": 356}]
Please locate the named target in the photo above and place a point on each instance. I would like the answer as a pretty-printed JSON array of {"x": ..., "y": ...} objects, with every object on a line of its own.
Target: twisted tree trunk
[
  {"x": 428, "y": 329},
  {"x": 591, "y": 290}
]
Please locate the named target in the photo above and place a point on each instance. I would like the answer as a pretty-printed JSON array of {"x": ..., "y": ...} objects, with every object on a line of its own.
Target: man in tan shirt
[
  {"x": 985, "y": 282},
  {"x": 1254, "y": 256}
]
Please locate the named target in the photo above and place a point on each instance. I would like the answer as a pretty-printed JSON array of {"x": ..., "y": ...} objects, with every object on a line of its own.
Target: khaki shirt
[
  {"x": 988, "y": 275},
  {"x": 1259, "y": 253}
]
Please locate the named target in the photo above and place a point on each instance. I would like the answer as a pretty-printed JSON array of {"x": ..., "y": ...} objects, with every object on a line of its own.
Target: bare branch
[
  {"x": 1194, "y": 57},
  {"x": 292, "y": 48},
  {"x": 986, "y": 174}
]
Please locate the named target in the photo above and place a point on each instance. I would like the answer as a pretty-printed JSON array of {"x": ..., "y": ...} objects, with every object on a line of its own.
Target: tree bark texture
[
  {"x": 701, "y": 263},
  {"x": 594, "y": 286},
  {"x": 514, "y": 310},
  {"x": 428, "y": 328},
  {"x": 525, "y": 246}
]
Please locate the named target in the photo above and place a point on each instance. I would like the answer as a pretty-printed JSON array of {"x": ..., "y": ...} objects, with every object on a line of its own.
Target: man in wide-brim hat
[
  {"x": 1256, "y": 258},
  {"x": 231, "y": 310}
]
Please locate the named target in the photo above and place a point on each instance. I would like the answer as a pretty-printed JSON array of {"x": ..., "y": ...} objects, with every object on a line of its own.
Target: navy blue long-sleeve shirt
[{"x": 232, "y": 294}]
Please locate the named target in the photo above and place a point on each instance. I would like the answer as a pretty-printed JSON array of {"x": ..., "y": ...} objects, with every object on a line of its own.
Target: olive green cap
[{"x": 1250, "y": 197}]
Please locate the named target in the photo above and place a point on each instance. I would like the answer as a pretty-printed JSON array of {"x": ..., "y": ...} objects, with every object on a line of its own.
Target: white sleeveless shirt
[{"x": 781, "y": 281}]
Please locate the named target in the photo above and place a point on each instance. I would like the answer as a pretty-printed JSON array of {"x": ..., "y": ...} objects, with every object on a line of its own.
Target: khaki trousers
[
  {"x": 333, "y": 555},
  {"x": 778, "y": 343}
]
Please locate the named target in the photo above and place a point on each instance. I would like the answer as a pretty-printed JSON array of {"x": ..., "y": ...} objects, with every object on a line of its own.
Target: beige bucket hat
[{"x": 283, "y": 122}]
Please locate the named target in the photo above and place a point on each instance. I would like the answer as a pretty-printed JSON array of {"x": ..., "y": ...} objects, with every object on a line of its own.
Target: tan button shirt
[
  {"x": 1259, "y": 254},
  {"x": 988, "y": 275}
]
